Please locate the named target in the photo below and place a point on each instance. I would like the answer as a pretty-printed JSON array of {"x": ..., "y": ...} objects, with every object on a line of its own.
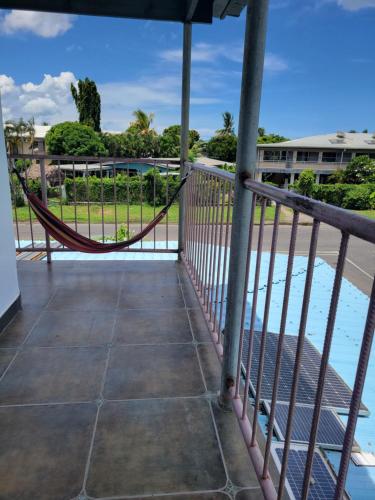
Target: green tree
[
  {"x": 87, "y": 101},
  {"x": 306, "y": 182},
  {"x": 170, "y": 140},
  {"x": 360, "y": 170},
  {"x": 228, "y": 124},
  {"x": 270, "y": 138},
  {"x": 75, "y": 139},
  {"x": 222, "y": 147}
]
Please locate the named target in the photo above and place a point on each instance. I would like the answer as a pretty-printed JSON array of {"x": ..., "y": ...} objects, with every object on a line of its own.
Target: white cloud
[
  {"x": 6, "y": 84},
  {"x": 356, "y": 4},
  {"x": 209, "y": 53},
  {"x": 41, "y": 106},
  {"x": 50, "y": 99},
  {"x": 43, "y": 24}
]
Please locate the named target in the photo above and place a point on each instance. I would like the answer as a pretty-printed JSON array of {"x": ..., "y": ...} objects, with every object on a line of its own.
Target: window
[
  {"x": 277, "y": 155},
  {"x": 307, "y": 156},
  {"x": 330, "y": 156}
]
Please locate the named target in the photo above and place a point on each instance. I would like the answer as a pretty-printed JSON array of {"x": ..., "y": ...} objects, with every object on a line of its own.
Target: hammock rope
[{"x": 75, "y": 241}]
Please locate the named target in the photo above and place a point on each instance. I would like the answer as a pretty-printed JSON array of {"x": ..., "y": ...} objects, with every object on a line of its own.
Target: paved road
[{"x": 360, "y": 264}]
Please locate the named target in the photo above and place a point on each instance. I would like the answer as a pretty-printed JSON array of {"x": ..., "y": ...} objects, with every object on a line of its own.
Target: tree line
[{"x": 139, "y": 140}]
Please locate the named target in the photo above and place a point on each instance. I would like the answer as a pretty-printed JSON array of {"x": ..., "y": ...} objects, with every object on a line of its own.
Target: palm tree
[
  {"x": 142, "y": 121},
  {"x": 228, "y": 124},
  {"x": 17, "y": 133}
]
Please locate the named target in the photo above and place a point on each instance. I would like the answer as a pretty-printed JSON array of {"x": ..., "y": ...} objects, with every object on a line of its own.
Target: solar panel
[
  {"x": 331, "y": 430},
  {"x": 323, "y": 484},
  {"x": 336, "y": 395}
]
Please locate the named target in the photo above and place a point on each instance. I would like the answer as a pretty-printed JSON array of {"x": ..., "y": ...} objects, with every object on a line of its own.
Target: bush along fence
[
  {"x": 149, "y": 188},
  {"x": 351, "y": 196}
]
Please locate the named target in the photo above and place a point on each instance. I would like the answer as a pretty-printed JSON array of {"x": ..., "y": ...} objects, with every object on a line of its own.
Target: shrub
[
  {"x": 73, "y": 138},
  {"x": 306, "y": 182},
  {"x": 360, "y": 170},
  {"x": 222, "y": 147},
  {"x": 351, "y": 196},
  {"x": 130, "y": 189}
]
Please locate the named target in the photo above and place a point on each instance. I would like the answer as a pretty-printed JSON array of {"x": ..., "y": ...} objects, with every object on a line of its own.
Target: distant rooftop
[{"x": 338, "y": 140}]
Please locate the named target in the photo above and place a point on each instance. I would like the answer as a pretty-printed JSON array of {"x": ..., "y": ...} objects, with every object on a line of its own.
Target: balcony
[
  {"x": 109, "y": 388},
  {"x": 120, "y": 363}
]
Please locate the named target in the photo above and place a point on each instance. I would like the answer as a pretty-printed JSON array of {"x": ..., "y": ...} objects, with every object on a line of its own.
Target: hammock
[{"x": 75, "y": 241}]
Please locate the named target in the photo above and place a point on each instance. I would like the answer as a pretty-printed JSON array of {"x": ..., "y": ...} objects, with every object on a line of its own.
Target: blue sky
[{"x": 319, "y": 75}]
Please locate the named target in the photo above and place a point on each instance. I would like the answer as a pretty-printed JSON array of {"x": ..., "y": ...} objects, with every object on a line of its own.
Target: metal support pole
[
  {"x": 185, "y": 108},
  {"x": 252, "y": 76},
  {"x": 43, "y": 185}
]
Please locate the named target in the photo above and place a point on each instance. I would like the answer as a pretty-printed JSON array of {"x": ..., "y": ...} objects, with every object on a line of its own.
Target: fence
[
  {"x": 102, "y": 198},
  {"x": 206, "y": 255}
]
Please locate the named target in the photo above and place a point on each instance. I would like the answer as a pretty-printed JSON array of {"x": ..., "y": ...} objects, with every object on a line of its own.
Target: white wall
[{"x": 9, "y": 290}]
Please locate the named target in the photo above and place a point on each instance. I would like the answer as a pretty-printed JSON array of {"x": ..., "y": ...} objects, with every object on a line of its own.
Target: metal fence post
[
  {"x": 185, "y": 105},
  {"x": 43, "y": 184},
  {"x": 252, "y": 76}
]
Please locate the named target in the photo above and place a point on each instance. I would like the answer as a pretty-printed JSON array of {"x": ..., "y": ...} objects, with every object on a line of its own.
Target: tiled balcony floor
[{"x": 108, "y": 385}]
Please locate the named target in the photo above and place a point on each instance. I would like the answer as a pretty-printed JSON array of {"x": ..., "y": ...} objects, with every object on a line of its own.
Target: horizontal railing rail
[
  {"x": 104, "y": 198},
  {"x": 209, "y": 196}
]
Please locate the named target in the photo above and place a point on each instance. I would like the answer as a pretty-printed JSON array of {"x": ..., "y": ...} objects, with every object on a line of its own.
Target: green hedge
[
  {"x": 351, "y": 196},
  {"x": 128, "y": 188}
]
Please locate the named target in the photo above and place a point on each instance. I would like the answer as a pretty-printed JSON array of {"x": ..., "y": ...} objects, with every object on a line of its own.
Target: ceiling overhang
[{"x": 196, "y": 11}]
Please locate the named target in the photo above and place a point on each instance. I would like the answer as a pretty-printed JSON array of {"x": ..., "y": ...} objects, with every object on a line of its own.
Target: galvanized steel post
[
  {"x": 252, "y": 76},
  {"x": 185, "y": 106}
]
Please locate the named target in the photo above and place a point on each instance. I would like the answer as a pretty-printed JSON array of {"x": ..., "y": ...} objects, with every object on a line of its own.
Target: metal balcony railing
[
  {"x": 208, "y": 198},
  {"x": 103, "y": 198}
]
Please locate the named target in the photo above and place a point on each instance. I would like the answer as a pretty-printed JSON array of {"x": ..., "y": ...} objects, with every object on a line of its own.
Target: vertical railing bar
[
  {"x": 115, "y": 195},
  {"x": 299, "y": 351},
  {"x": 60, "y": 190},
  {"x": 214, "y": 266},
  {"x": 211, "y": 258},
  {"x": 225, "y": 263},
  {"x": 167, "y": 216},
  {"x": 271, "y": 268},
  {"x": 29, "y": 209},
  {"x": 355, "y": 403},
  {"x": 244, "y": 300},
  {"x": 44, "y": 187},
  {"x": 254, "y": 303},
  {"x": 127, "y": 200},
  {"x": 204, "y": 237},
  {"x": 187, "y": 190},
  {"x": 141, "y": 205},
  {"x": 14, "y": 191},
  {"x": 280, "y": 345},
  {"x": 204, "y": 229},
  {"x": 189, "y": 237},
  {"x": 199, "y": 184},
  {"x": 222, "y": 199},
  {"x": 75, "y": 196},
  {"x": 102, "y": 197},
  {"x": 207, "y": 255},
  {"x": 324, "y": 361},
  {"x": 154, "y": 230},
  {"x": 88, "y": 199}
]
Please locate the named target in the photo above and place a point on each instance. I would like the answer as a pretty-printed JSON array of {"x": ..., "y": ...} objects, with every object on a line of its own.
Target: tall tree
[
  {"x": 87, "y": 101},
  {"x": 228, "y": 124}
]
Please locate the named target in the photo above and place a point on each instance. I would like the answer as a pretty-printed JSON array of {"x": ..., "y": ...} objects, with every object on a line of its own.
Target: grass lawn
[
  {"x": 81, "y": 211},
  {"x": 366, "y": 213}
]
